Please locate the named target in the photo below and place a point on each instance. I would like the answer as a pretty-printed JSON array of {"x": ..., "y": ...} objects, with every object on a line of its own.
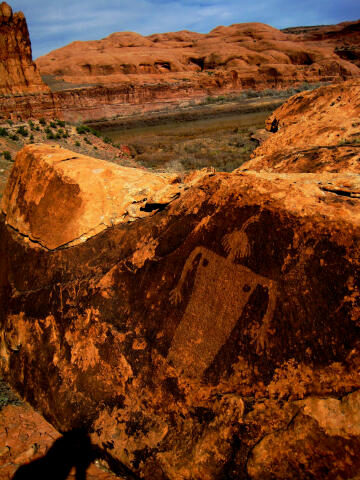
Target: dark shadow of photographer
[{"x": 73, "y": 449}]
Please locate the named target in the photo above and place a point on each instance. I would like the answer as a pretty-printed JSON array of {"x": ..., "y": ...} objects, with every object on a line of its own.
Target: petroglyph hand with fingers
[{"x": 175, "y": 296}]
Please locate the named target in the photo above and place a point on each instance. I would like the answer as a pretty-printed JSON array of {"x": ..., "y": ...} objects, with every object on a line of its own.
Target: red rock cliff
[
  {"x": 239, "y": 56},
  {"x": 18, "y": 73}
]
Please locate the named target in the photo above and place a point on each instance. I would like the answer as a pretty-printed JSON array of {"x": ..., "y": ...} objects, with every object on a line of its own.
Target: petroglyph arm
[
  {"x": 175, "y": 294},
  {"x": 263, "y": 333}
]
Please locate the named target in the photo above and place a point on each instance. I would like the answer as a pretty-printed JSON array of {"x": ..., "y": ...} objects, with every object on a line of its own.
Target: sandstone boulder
[
  {"x": 56, "y": 197},
  {"x": 218, "y": 337}
]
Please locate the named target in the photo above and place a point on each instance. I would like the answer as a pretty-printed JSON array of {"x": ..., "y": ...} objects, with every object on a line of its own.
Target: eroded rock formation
[
  {"x": 344, "y": 38},
  {"x": 127, "y": 72},
  {"x": 18, "y": 73},
  {"x": 217, "y": 336},
  {"x": 315, "y": 131},
  {"x": 239, "y": 56}
]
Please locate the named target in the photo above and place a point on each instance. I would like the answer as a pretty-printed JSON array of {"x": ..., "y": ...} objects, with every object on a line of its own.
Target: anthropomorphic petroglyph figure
[{"x": 220, "y": 293}]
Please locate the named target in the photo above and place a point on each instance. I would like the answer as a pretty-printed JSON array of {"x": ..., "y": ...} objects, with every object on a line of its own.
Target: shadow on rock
[{"x": 73, "y": 449}]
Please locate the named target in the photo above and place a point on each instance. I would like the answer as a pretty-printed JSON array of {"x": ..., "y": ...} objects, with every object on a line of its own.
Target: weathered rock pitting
[{"x": 195, "y": 342}]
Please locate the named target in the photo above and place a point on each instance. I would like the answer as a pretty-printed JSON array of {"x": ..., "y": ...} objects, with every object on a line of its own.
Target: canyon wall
[{"x": 126, "y": 72}]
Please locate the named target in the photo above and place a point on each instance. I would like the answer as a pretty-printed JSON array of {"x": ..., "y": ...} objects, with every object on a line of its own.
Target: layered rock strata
[
  {"x": 344, "y": 38},
  {"x": 126, "y": 72},
  {"x": 214, "y": 336}
]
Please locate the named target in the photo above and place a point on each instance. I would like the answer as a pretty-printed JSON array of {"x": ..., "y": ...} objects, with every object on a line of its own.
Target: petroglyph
[{"x": 220, "y": 293}]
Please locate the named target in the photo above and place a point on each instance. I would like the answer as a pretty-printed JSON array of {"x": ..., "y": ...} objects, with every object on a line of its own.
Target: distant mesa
[{"x": 238, "y": 56}]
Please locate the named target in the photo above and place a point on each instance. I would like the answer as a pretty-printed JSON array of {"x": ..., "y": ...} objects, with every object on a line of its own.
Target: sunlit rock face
[
  {"x": 316, "y": 131},
  {"x": 18, "y": 73},
  {"x": 210, "y": 331},
  {"x": 242, "y": 55}
]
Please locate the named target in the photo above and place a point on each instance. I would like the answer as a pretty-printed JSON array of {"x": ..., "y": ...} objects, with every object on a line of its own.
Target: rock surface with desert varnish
[{"x": 215, "y": 337}]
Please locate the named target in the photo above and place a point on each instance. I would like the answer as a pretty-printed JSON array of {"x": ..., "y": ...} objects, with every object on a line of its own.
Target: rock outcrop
[
  {"x": 316, "y": 131},
  {"x": 235, "y": 57},
  {"x": 217, "y": 336},
  {"x": 18, "y": 73},
  {"x": 344, "y": 38},
  {"x": 31, "y": 448}
]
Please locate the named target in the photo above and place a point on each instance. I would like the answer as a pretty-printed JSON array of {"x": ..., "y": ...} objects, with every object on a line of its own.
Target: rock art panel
[{"x": 201, "y": 339}]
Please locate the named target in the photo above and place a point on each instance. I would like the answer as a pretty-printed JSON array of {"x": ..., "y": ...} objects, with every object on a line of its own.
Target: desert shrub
[
  {"x": 60, "y": 123},
  {"x": 77, "y": 143},
  {"x": 14, "y": 137},
  {"x": 65, "y": 134},
  {"x": 50, "y": 135},
  {"x": 42, "y": 121},
  {"x": 53, "y": 124},
  {"x": 7, "y": 155},
  {"x": 3, "y": 132},
  {"x": 95, "y": 132},
  {"x": 31, "y": 138},
  {"x": 250, "y": 93},
  {"x": 22, "y": 131},
  {"x": 107, "y": 140},
  {"x": 10, "y": 122},
  {"x": 82, "y": 129},
  {"x": 87, "y": 141},
  {"x": 31, "y": 124}
]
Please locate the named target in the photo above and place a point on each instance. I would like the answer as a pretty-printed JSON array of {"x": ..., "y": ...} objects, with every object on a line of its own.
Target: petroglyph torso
[{"x": 220, "y": 293}]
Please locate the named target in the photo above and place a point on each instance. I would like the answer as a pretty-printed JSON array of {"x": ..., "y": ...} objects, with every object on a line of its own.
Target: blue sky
[{"x": 53, "y": 24}]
